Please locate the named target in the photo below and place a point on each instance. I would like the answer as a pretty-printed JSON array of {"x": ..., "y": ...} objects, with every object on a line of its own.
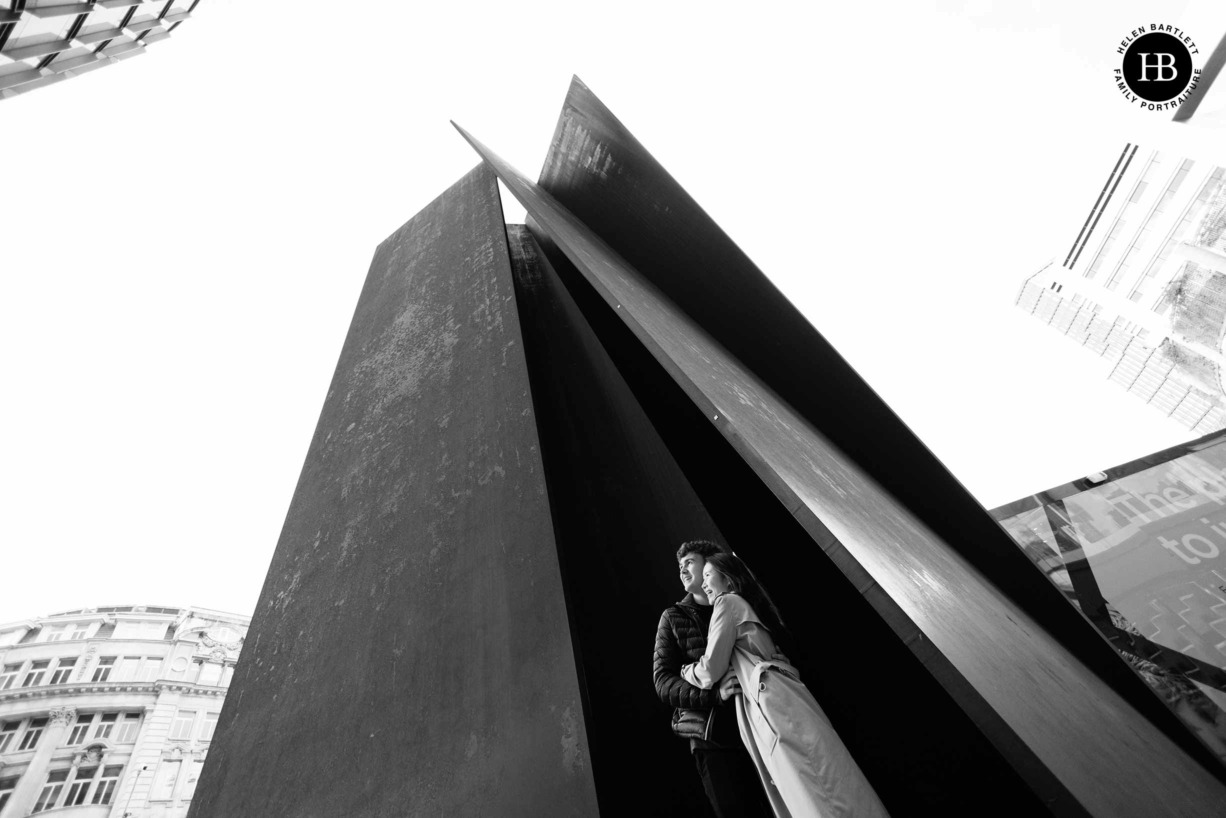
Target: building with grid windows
[
  {"x": 1143, "y": 284},
  {"x": 110, "y": 711},
  {"x": 46, "y": 41}
]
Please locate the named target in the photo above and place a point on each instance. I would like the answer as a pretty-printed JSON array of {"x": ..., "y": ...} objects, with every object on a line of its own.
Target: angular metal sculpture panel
[
  {"x": 1078, "y": 743},
  {"x": 621, "y": 506},
  {"x": 522, "y": 427},
  {"x": 410, "y": 654}
]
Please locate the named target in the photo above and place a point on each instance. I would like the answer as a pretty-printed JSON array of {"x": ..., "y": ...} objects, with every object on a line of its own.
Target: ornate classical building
[
  {"x": 110, "y": 711},
  {"x": 46, "y": 41}
]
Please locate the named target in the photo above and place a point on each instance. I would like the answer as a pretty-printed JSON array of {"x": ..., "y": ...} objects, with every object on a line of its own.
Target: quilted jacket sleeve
[{"x": 666, "y": 671}]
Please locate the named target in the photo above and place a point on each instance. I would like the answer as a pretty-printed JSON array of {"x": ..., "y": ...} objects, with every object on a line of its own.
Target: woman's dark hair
[{"x": 743, "y": 582}]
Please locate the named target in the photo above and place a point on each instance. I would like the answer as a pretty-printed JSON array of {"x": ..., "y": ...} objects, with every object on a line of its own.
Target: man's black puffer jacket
[{"x": 680, "y": 639}]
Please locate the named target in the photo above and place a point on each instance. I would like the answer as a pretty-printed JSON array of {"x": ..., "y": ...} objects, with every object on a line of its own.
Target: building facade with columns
[{"x": 110, "y": 711}]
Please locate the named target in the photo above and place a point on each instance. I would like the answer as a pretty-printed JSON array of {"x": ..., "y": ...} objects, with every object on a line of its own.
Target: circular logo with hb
[{"x": 1157, "y": 66}]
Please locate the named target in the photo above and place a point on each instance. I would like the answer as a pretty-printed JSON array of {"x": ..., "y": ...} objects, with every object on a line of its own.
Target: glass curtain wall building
[
  {"x": 47, "y": 41},
  {"x": 1143, "y": 283}
]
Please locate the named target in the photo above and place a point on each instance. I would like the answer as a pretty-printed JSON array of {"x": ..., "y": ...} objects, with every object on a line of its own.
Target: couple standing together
[{"x": 723, "y": 643}]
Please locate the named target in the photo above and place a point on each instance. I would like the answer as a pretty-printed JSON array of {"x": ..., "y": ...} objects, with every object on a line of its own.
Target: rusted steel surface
[
  {"x": 410, "y": 654},
  {"x": 928, "y": 758},
  {"x": 621, "y": 507},
  {"x": 1080, "y": 745},
  {"x": 600, "y": 173}
]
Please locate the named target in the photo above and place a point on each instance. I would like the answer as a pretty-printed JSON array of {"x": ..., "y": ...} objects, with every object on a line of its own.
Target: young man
[{"x": 728, "y": 775}]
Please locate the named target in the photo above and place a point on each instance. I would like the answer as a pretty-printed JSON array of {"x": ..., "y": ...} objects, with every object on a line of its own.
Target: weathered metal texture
[
  {"x": 621, "y": 507},
  {"x": 1079, "y": 744},
  {"x": 598, "y": 171},
  {"x": 410, "y": 654},
  {"x": 928, "y": 759}
]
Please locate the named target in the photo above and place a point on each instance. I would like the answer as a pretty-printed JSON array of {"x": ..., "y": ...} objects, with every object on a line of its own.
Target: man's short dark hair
[{"x": 703, "y": 548}]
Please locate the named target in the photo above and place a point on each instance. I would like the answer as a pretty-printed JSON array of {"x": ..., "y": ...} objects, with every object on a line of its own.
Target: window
[
  {"x": 151, "y": 669},
  {"x": 9, "y": 675},
  {"x": 59, "y": 633},
  {"x": 103, "y": 671},
  {"x": 8, "y": 729},
  {"x": 34, "y": 731},
  {"x": 128, "y": 728},
  {"x": 227, "y": 675},
  {"x": 207, "y": 726},
  {"x": 80, "y": 729},
  {"x": 164, "y": 785},
  {"x": 182, "y": 728},
  {"x": 106, "y": 723},
  {"x": 63, "y": 671},
  {"x": 106, "y": 784},
  {"x": 7, "y": 785},
  {"x": 128, "y": 668},
  {"x": 34, "y": 676},
  {"x": 138, "y": 668},
  {"x": 78, "y": 789},
  {"x": 210, "y": 674},
  {"x": 51, "y": 791},
  {"x": 224, "y": 634},
  {"x": 189, "y": 789}
]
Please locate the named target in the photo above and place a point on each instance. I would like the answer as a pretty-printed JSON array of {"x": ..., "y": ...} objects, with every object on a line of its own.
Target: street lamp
[{"x": 135, "y": 781}]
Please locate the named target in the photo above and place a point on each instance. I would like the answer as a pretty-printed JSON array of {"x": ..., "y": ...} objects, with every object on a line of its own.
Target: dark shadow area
[
  {"x": 920, "y": 750},
  {"x": 610, "y": 183},
  {"x": 620, "y": 508}
]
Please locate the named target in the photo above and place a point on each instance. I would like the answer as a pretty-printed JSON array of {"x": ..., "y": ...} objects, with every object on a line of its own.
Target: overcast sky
[{"x": 187, "y": 233}]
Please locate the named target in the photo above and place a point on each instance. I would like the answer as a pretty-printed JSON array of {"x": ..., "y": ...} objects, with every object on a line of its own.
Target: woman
[{"x": 803, "y": 764}]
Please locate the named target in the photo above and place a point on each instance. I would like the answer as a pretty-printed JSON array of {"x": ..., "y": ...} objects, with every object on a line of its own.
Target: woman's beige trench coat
[{"x": 805, "y": 768}]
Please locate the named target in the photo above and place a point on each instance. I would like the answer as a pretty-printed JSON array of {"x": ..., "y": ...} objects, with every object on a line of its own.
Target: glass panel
[
  {"x": 80, "y": 729},
  {"x": 105, "y": 725},
  {"x": 80, "y": 787},
  {"x": 150, "y": 669},
  {"x": 1144, "y": 558},
  {"x": 8, "y": 729},
  {"x": 207, "y": 726},
  {"x": 182, "y": 728},
  {"x": 210, "y": 674},
  {"x": 34, "y": 676},
  {"x": 128, "y": 729},
  {"x": 128, "y": 667},
  {"x": 103, "y": 671},
  {"x": 106, "y": 786}
]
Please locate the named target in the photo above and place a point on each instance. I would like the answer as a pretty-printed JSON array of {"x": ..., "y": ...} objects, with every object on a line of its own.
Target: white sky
[{"x": 186, "y": 234}]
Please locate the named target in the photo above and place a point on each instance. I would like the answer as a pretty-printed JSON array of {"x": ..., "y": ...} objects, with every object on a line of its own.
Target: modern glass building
[
  {"x": 46, "y": 41},
  {"x": 1143, "y": 283}
]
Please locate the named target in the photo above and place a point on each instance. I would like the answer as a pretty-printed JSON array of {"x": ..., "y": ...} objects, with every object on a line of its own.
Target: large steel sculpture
[{"x": 524, "y": 423}]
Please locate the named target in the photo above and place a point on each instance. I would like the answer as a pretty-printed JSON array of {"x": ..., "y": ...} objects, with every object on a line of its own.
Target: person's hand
[{"x": 729, "y": 686}]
